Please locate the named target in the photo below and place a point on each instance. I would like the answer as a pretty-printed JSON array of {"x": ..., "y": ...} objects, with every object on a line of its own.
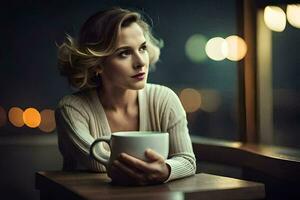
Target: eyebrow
[{"x": 127, "y": 47}]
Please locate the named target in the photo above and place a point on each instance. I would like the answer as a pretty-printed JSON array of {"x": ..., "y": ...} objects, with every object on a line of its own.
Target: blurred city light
[
  {"x": 15, "y": 116},
  {"x": 47, "y": 121},
  {"x": 293, "y": 14},
  {"x": 216, "y": 48},
  {"x": 195, "y": 48},
  {"x": 211, "y": 100},
  {"x": 237, "y": 48},
  {"x": 3, "y": 117},
  {"x": 275, "y": 18},
  {"x": 32, "y": 117},
  {"x": 190, "y": 99}
]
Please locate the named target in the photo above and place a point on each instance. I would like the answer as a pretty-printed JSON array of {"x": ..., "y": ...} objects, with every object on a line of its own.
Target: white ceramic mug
[{"x": 133, "y": 143}]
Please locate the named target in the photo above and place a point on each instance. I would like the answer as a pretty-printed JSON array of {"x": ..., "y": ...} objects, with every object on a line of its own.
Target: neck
[{"x": 118, "y": 99}]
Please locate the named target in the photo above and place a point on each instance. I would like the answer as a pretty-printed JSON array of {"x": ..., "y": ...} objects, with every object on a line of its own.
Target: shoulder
[
  {"x": 162, "y": 96},
  {"x": 159, "y": 91},
  {"x": 76, "y": 100},
  {"x": 74, "y": 106},
  {"x": 165, "y": 103}
]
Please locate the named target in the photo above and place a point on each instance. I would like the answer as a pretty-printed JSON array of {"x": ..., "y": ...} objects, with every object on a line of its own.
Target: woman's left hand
[{"x": 144, "y": 173}]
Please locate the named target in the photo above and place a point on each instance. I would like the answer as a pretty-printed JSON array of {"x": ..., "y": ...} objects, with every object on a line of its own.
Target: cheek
[
  {"x": 117, "y": 65},
  {"x": 121, "y": 69},
  {"x": 117, "y": 69},
  {"x": 146, "y": 58}
]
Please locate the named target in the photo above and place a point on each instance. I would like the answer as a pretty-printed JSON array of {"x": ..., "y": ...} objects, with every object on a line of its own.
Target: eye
[
  {"x": 124, "y": 54},
  {"x": 143, "y": 48}
]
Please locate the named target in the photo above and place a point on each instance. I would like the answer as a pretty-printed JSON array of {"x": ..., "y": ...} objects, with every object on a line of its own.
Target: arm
[
  {"x": 74, "y": 136},
  {"x": 181, "y": 160}
]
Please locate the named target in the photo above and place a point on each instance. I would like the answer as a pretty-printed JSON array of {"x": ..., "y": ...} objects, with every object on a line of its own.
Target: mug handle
[{"x": 100, "y": 158}]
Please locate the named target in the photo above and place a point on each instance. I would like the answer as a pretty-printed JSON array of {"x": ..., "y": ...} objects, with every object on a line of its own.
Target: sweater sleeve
[
  {"x": 181, "y": 159},
  {"x": 74, "y": 136}
]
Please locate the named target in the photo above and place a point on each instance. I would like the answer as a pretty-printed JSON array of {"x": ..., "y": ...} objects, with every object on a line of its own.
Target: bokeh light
[
  {"x": 47, "y": 121},
  {"x": 32, "y": 117},
  {"x": 216, "y": 48},
  {"x": 293, "y": 14},
  {"x": 195, "y": 48},
  {"x": 3, "y": 117},
  {"x": 190, "y": 99},
  {"x": 275, "y": 18},
  {"x": 237, "y": 48},
  {"x": 211, "y": 100},
  {"x": 15, "y": 116}
]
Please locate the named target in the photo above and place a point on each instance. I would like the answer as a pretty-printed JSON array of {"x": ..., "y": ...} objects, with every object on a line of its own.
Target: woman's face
[{"x": 127, "y": 67}]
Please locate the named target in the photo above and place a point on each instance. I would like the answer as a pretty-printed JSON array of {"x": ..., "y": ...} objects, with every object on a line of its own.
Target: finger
[
  {"x": 135, "y": 163},
  {"x": 152, "y": 155},
  {"x": 115, "y": 174},
  {"x": 133, "y": 177},
  {"x": 129, "y": 171},
  {"x": 120, "y": 178}
]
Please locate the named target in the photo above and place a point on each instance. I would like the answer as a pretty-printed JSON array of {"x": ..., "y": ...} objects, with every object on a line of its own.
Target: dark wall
[{"x": 20, "y": 162}]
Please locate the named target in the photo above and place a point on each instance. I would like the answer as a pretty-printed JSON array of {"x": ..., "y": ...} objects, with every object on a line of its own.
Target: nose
[{"x": 139, "y": 61}]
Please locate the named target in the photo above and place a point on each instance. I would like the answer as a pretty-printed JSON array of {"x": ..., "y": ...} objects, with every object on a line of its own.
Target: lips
[{"x": 139, "y": 75}]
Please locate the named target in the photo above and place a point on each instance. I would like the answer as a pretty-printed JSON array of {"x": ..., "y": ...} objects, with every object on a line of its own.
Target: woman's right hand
[
  {"x": 128, "y": 170},
  {"x": 118, "y": 177}
]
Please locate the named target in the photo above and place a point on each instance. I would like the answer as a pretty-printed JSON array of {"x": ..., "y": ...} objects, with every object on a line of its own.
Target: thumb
[{"x": 152, "y": 155}]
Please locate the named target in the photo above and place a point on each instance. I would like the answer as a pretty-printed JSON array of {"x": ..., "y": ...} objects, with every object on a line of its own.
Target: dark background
[{"x": 29, "y": 75}]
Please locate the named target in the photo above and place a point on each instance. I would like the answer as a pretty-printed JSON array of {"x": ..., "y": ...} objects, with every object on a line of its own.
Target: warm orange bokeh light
[
  {"x": 237, "y": 48},
  {"x": 211, "y": 100},
  {"x": 48, "y": 121},
  {"x": 15, "y": 116},
  {"x": 3, "y": 117},
  {"x": 190, "y": 99},
  {"x": 32, "y": 117}
]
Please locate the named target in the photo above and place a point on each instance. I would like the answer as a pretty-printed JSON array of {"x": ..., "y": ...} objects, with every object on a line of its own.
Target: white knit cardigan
[{"x": 80, "y": 119}]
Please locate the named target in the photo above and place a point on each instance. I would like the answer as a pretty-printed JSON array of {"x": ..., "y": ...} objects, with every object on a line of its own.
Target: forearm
[
  {"x": 181, "y": 160},
  {"x": 181, "y": 165}
]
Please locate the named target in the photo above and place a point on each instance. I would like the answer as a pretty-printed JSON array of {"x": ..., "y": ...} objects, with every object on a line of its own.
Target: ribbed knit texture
[{"x": 81, "y": 118}]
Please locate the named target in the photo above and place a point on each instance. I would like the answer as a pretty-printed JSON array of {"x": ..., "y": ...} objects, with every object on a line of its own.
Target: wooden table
[{"x": 83, "y": 185}]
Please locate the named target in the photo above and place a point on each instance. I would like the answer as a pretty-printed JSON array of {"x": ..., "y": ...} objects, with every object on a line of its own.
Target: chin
[{"x": 138, "y": 86}]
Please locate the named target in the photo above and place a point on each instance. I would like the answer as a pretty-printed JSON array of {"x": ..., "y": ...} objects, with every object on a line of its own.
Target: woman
[{"x": 109, "y": 64}]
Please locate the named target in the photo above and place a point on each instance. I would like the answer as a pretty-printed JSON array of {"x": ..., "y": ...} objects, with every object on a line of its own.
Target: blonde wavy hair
[{"x": 80, "y": 60}]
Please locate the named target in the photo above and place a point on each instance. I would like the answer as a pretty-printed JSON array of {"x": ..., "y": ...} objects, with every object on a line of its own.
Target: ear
[{"x": 98, "y": 70}]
